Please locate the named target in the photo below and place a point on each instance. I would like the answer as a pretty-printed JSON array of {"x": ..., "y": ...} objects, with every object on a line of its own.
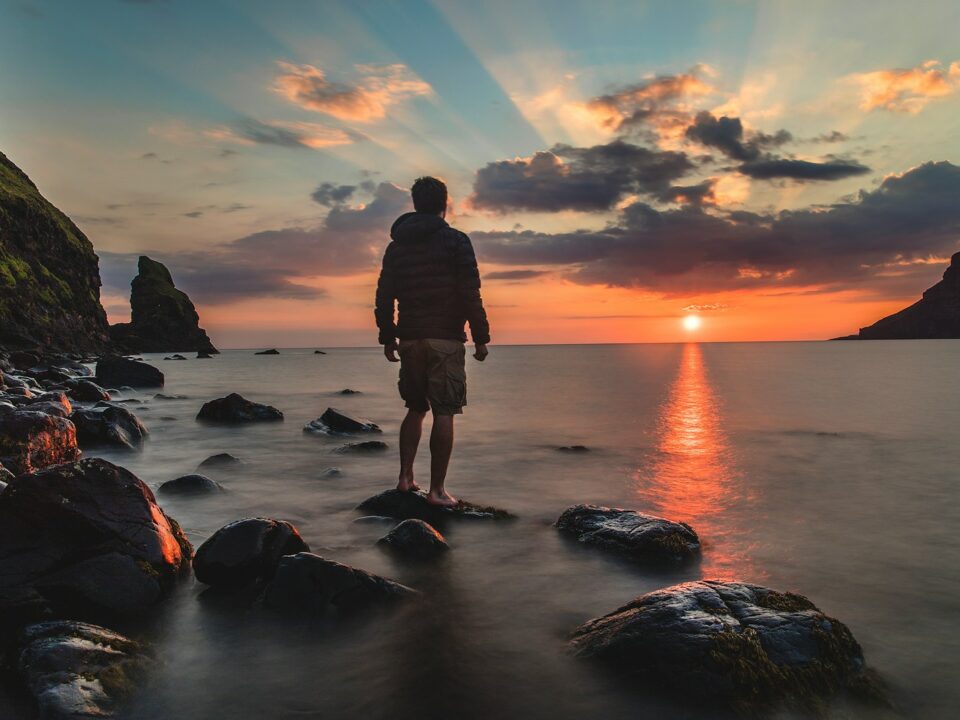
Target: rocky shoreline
[{"x": 86, "y": 547}]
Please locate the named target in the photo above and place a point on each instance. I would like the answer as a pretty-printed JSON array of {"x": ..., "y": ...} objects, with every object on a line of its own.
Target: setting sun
[{"x": 691, "y": 322}]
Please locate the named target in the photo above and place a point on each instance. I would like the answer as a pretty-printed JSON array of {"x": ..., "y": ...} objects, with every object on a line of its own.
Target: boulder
[
  {"x": 108, "y": 424},
  {"x": 221, "y": 461},
  {"x": 32, "y": 440},
  {"x": 246, "y": 551},
  {"x": 729, "y": 644},
  {"x": 236, "y": 409},
  {"x": 338, "y": 422},
  {"x": 363, "y": 447},
  {"x": 644, "y": 538},
  {"x": 87, "y": 391},
  {"x": 76, "y": 670},
  {"x": 413, "y": 505},
  {"x": 415, "y": 538},
  {"x": 190, "y": 485},
  {"x": 162, "y": 318},
  {"x": 113, "y": 371},
  {"x": 311, "y": 585},
  {"x": 52, "y": 403},
  {"x": 271, "y": 351},
  {"x": 89, "y": 535}
]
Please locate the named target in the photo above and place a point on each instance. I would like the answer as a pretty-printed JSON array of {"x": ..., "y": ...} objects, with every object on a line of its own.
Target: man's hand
[
  {"x": 481, "y": 352},
  {"x": 390, "y": 351}
]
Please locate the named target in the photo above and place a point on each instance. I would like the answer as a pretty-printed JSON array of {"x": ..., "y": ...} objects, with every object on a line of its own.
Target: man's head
[{"x": 429, "y": 196}]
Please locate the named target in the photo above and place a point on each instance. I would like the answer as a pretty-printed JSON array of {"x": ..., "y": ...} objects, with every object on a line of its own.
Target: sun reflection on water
[{"x": 692, "y": 476}]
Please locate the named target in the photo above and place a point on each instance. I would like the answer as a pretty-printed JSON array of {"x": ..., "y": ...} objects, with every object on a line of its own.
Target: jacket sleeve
[
  {"x": 468, "y": 286},
  {"x": 386, "y": 294}
]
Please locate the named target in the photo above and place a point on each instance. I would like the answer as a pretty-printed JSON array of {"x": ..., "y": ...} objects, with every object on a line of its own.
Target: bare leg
[
  {"x": 410, "y": 431},
  {"x": 441, "y": 446}
]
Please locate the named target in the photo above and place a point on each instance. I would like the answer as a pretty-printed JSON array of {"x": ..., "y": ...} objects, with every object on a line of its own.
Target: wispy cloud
[
  {"x": 907, "y": 90},
  {"x": 287, "y": 134}
]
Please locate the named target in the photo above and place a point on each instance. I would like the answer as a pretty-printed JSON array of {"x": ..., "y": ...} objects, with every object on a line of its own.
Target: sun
[{"x": 692, "y": 322}]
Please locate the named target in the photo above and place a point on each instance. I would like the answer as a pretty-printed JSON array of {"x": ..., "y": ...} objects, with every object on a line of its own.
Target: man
[{"x": 431, "y": 271}]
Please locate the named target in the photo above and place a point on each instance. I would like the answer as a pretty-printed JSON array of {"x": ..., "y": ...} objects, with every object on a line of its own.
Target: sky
[{"x": 781, "y": 170}]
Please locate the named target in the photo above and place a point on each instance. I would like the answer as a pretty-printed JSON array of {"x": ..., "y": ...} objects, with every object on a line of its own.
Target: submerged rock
[
  {"x": 31, "y": 440},
  {"x": 220, "y": 461},
  {"x": 190, "y": 485},
  {"x": 246, "y": 551},
  {"x": 363, "y": 447},
  {"x": 311, "y": 585},
  {"x": 236, "y": 409},
  {"x": 644, "y": 538},
  {"x": 88, "y": 391},
  {"x": 77, "y": 670},
  {"x": 271, "y": 351},
  {"x": 738, "y": 645},
  {"x": 319, "y": 352},
  {"x": 164, "y": 396},
  {"x": 338, "y": 422},
  {"x": 574, "y": 448},
  {"x": 413, "y": 505},
  {"x": 89, "y": 534},
  {"x": 113, "y": 371},
  {"x": 348, "y": 391},
  {"x": 416, "y": 539},
  {"x": 108, "y": 424}
]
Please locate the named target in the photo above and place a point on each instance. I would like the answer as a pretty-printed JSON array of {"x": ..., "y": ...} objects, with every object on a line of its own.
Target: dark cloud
[
  {"x": 277, "y": 263},
  {"x": 834, "y": 136},
  {"x": 572, "y": 178},
  {"x": 652, "y": 101},
  {"x": 699, "y": 194},
  {"x": 328, "y": 194},
  {"x": 514, "y": 274},
  {"x": 193, "y": 214},
  {"x": 881, "y": 235},
  {"x": 263, "y": 134},
  {"x": 834, "y": 169},
  {"x": 149, "y": 156},
  {"x": 726, "y": 135}
]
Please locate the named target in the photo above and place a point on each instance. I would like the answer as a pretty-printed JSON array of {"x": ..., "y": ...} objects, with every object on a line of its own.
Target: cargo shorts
[{"x": 433, "y": 375}]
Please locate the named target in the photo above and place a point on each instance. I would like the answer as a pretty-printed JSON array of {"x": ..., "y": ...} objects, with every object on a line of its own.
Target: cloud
[
  {"x": 514, "y": 274},
  {"x": 328, "y": 194},
  {"x": 687, "y": 251},
  {"x": 278, "y": 263},
  {"x": 193, "y": 214},
  {"x": 726, "y": 135},
  {"x": 571, "y": 178},
  {"x": 312, "y": 136},
  {"x": 771, "y": 168},
  {"x": 367, "y": 100},
  {"x": 907, "y": 90},
  {"x": 702, "y": 193}
]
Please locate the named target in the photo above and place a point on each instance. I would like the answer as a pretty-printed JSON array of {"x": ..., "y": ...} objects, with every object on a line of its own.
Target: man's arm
[
  {"x": 386, "y": 294},
  {"x": 468, "y": 285}
]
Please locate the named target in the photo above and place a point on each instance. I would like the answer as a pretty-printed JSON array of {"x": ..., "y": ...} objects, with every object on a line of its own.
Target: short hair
[{"x": 429, "y": 195}]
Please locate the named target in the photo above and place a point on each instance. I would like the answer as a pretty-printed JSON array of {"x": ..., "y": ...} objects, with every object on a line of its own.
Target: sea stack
[
  {"x": 162, "y": 318},
  {"x": 49, "y": 273}
]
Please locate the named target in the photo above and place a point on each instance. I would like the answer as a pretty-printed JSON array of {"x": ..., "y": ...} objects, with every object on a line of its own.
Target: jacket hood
[{"x": 416, "y": 225}]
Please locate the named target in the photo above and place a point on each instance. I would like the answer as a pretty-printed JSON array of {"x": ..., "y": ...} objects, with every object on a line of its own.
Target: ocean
[{"x": 828, "y": 469}]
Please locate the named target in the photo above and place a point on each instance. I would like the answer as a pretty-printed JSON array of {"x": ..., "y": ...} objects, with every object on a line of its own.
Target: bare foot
[
  {"x": 442, "y": 499},
  {"x": 405, "y": 485}
]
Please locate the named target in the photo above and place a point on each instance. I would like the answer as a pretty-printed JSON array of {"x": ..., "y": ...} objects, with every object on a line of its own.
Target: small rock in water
[
  {"x": 574, "y": 448},
  {"x": 334, "y": 421},
  {"x": 110, "y": 425},
  {"x": 331, "y": 472},
  {"x": 348, "y": 391},
  {"x": 246, "y": 551},
  {"x": 271, "y": 351},
  {"x": 175, "y": 357},
  {"x": 204, "y": 355},
  {"x": 415, "y": 538},
  {"x": 236, "y": 409},
  {"x": 375, "y": 520},
  {"x": 406, "y": 505},
  {"x": 78, "y": 670},
  {"x": 363, "y": 447},
  {"x": 641, "y": 537},
  {"x": 190, "y": 485},
  {"x": 163, "y": 396},
  {"x": 221, "y": 461},
  {"x": 87, "y": 391},
  {"x": 740, "y": 646},
  {"x": 311, "y": 585},
  {"x": 319, "y": 352}
]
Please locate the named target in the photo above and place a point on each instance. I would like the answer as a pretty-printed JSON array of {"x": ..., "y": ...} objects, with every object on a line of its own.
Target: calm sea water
[{"x": 829, "y": 469}]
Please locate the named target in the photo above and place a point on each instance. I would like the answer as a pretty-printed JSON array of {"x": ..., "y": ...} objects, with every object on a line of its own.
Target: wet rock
[
  {"x": 22, "y": 360},
  {"x": 33, "y": 440},
  {"x": 89, "y": 535},
  {"x": 108, "y": 424},
  {"x": 5, "y": 475},
  {"x": 246, "y": 551},
  {"x": 574, "y": 448},
  {"x": 190, "y": 485},
  {"x": 331, "y": 472},
  {"x": 375, "y": 520},
  {"x": 53, "y": 403},
  {"x": 204, "y": 355},
  {"x": 113, "y": 371},
  {"x": 644, "y": 538},
  {"x": 311, "y": 585},
  {"x": 88, "y": 391},
  {"x": 413, "y": 505},
  {"x": 13, "y": 381},
  {"x": 415, "y": 538},
  {"x": 731, "y": 644},
  {"x": 236, "y": 409},
  {"x": 338, "y": 422},
  {"x": 221, "y": 461},
  {"x": 77, "y": 670},
  {"x": 363, "y": 447},
  {"x": 319, "y": 352},
  {"x": 163, "y": 396},
  {"x": 271, "y": 351},
  {"x": 348, "y": 391},
  {"x": 176, "y": 356}
]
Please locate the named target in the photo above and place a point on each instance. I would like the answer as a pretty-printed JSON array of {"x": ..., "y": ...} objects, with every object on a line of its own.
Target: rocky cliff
[
  {"x": 162, "y": 318},
  {"x": 935, "y": 316},
  {"x": 49, "y": 274}
]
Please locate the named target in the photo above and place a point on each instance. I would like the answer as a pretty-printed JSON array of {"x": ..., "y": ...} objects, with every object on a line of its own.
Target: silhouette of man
[{"x": 430, "y": 270}]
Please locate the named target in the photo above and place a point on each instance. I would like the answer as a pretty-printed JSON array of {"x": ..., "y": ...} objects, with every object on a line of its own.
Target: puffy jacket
[{"x": 430, "y": 269}]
